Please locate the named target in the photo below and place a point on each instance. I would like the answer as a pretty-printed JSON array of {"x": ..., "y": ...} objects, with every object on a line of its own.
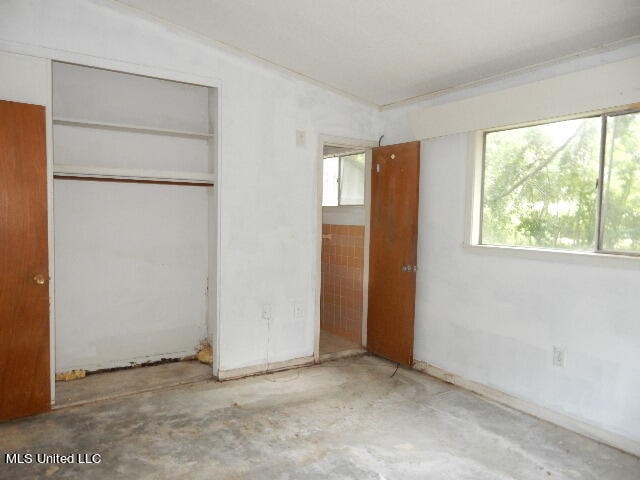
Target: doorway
[
  {"x": 367, "y": 258},
  {"x": 344, "y": 171}
]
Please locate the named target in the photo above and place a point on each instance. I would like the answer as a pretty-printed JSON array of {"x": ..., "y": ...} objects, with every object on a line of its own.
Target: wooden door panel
[
  {"x": 24, "y": 274},
  {"x": 393, "y": 245}
]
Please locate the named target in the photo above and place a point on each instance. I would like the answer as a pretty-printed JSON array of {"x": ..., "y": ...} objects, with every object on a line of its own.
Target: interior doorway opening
[{"x": 344, "y": 203}]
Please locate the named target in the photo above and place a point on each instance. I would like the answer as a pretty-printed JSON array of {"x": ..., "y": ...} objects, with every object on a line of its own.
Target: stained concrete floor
[
  {"x": 347, "y": 418},
  {"x": 120, "y": 383}
]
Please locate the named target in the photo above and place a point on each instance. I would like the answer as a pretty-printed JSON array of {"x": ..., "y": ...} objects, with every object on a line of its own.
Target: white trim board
[
  {"x": 263, "y": 368},
  {"x": 105, "y": 63},
  {"x": 595, "y": 433},
  {"x": 88, "y": 171},
  {"x": 73, "y": 122},
  {"x": 589, "y": 90}
]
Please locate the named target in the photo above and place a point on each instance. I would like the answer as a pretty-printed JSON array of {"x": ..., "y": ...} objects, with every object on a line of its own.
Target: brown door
[
  {"x": 24, "y": 275},
  {"x": 392, "y": 251}
]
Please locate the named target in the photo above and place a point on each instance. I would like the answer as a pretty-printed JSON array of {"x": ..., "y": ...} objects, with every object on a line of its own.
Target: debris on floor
[
  {"x": 70, "y": 375},
  {"x": 205, "y": 353},
  {"x": 327, "y": 423}
]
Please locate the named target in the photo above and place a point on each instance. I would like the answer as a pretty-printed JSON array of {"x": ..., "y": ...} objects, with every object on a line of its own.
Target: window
[
  {"x": 572, "y": 185},
  {"x": 343, "y": 180}
]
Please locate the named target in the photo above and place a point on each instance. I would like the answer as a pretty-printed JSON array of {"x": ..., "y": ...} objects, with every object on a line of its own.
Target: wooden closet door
[
  {"x": 395, "y": 172},
  {"x": 24, "y": 275}
]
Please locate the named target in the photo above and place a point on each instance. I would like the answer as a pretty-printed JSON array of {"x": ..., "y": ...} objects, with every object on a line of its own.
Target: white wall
[
  {"x": 25, "y": 79},
  {"x": 493, "y": 318},
  {"x": 268, "y": 230},
  {"x": 490, "y": 318},
  {"x": 344, "y": 215},
  {"x": 603, "y": 87},
  {"x": 131, "y": 272}
]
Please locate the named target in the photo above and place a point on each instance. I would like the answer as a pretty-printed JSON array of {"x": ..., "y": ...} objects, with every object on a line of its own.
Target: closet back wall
[
  {"x": 131, "y": 258},
  {"x": 131, "y": 272}
]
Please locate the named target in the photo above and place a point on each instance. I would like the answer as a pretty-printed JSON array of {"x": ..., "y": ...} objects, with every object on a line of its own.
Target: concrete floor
[
  {"x": 120, "y": 383},
  {"x": 347, "y": 418}
]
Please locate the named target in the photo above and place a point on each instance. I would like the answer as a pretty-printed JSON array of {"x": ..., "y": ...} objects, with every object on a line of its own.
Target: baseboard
[
  {"x": 132, "y": 362},
  {"x": 264, "y": 368},
  {"x": 615, "y": 440}
]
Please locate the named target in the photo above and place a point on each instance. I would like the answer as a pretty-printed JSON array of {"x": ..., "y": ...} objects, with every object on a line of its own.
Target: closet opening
[{"x": 135, "y": 233}]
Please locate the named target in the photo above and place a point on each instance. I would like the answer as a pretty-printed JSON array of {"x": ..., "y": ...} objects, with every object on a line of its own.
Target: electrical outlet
[
  {"x": 266, "y": 311},
  {"x": 298, "y": 310},
  {"x": 559, "y": 357}
]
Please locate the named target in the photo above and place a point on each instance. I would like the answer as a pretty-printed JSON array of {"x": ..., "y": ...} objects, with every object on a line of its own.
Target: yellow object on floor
[
  {"x": 205, "y": 354},
  {"x": 70, "y": 375}
]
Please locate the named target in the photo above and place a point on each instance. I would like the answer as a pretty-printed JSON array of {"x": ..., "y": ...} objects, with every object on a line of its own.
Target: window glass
[
  {"x": 330, "y": 177},
  {"x": 352, "y": 180},
  {"x": 539, "y": 185},
  {"x": 621, "y": 184}
]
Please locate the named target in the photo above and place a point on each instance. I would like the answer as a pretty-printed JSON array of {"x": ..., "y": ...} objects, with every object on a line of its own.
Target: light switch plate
[
  {"x": 301, "y": 138},
  {"x": 559, "y": 356}
]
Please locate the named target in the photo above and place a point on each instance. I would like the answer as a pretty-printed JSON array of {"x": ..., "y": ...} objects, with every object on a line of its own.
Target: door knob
[{"x": 39, "y": 279}]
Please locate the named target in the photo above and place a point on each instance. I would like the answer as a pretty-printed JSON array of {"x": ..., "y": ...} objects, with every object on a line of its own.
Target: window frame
[
  {"x": 340, "y": 155},
  {"x": 476, "y": 187}
]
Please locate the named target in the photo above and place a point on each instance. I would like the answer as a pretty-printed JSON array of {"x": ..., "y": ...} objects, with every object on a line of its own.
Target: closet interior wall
[{"x": 135, "y": 217}]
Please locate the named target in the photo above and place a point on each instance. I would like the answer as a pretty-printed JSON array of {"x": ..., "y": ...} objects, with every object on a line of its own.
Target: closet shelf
[
  {"x": 129, "y": 128},
  {"x": 88, "y": 171}
]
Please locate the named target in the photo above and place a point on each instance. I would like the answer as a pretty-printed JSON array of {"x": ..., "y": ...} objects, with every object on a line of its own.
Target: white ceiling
[{"x": 389, "y": 51}]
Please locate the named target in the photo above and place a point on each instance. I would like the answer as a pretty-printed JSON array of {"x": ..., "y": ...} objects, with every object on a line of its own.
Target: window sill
[{"x": 566, "y": 256}]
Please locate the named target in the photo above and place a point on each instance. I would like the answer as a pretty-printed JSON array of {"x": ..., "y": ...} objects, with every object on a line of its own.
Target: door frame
[
  {"x": 355, "y": 144},
  {"x": 214, "y": 204},
  {"x": 45, "y": 56}
]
